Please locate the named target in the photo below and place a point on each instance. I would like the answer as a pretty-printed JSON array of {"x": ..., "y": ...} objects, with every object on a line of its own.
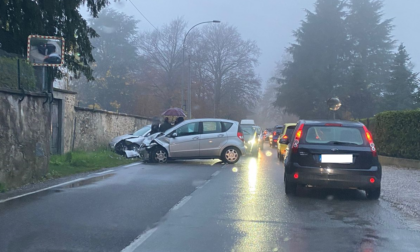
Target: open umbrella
[{"x": 174, "y": 112}]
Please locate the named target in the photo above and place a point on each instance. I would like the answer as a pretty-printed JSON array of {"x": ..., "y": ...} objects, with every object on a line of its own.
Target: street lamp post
[{"x": 189, "y": 65}]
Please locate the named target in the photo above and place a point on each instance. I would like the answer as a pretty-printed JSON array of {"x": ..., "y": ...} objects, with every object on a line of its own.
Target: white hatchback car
[{"x": 196, "y": 139}]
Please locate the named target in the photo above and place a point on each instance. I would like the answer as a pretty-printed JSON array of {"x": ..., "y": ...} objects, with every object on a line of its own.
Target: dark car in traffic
[
  {"x": 274, "y": 136},
  {"x": 333, "y": 154},
  {"x": 251, "y": 142},
  {"x": 53, "y": 58}
]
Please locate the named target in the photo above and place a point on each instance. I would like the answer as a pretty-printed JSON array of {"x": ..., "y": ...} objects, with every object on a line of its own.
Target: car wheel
[
  {"x": 373, "y": 194},
  {"x": 120, "y": 148},
  {"x": 290, "y": 188},
  {"x": 230, "y": 155},
  {"x": 159, "y": 155}
]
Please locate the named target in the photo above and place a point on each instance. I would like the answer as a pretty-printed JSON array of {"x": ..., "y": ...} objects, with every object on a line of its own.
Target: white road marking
[
  {"x": 99, "y": 173},
  {"x": 181, "y": 203},
  {"x": 37, "y": 191},
  {"x": 139, "y": 240},
  {"x": 215, "y": 173},
  {"x": 132, "y": 165},
  {"x": 199, "y": 187}
]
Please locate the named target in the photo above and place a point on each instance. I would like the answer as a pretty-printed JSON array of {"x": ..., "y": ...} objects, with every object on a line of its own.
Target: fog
[{"x": 270, "y": 22}]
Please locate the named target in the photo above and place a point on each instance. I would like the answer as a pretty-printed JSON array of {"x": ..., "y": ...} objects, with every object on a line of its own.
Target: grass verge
[
  {"x": 3, "y": 188},
  {"x": 80, "y": 161}
]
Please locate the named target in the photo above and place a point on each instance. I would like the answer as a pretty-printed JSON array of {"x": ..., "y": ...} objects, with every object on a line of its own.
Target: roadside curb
[{"x": 399, "y": 162}]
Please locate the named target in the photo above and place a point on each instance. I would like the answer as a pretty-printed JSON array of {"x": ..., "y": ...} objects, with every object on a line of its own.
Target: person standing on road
[
  {"x": 179, "y": 120},
  {"x": 165, "y": 125},
  {"x": 155, "y": 126}
]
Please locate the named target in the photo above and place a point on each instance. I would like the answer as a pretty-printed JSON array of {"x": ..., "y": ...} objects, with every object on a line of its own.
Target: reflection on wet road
[
  {"x": 245, "y": 209},
  {"x": 207, "y": 206}
]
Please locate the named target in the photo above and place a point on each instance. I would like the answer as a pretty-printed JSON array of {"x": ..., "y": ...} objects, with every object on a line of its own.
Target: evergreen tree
[
  {"x": 370, "y": 56},
  {"x": 400, "y": 91},
  {"x": 318, "y": 64},
  {"x": 117, "y": 60}
]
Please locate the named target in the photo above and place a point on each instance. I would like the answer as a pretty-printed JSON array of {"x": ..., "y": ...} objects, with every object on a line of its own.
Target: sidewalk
[{"x": 401, "y": 188}]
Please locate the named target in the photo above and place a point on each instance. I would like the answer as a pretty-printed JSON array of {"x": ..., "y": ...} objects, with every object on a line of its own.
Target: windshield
[
  {"x": 143, "y": 131},
  {"x": 248, "y": 129},
  {"x": 289, "y": 131}
]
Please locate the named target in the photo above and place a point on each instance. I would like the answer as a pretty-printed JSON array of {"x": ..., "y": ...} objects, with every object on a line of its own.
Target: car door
[
  {"x": 186, "y": 142},
  {"x": 212, "y": 139}
]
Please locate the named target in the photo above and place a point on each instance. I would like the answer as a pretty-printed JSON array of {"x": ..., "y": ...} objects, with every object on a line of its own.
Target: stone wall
[
  {"x": 95, "y": 128},
  {"x": 25, "y": 132},
  {"x": 24, "y": 138}
]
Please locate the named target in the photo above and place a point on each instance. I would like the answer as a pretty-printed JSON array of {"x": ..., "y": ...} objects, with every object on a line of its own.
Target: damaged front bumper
[{"x": 143, "y": 152}]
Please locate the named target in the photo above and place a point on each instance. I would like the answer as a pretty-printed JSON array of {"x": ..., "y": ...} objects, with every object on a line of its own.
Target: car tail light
[
  {"x": 296, "y": 175},
  {"x": 241, "y": 136},
  {"x": 295, "y": 145},
  {"x": 285, "y": 137},
  {"x": 370, "y": 141},
  {"x": 372, "y": 180},
  {"x": 274, "y": 133}
]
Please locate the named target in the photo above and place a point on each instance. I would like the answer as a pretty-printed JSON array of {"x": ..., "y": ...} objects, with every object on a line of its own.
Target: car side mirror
[{"x": 174, "y": 135}]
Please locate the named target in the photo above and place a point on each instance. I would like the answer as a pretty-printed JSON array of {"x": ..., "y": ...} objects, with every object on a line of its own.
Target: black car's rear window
[{"x": 333, "y": 135}]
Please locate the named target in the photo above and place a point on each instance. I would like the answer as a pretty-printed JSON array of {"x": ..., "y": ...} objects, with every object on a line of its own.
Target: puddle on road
[{"x": 87, "y": 181}]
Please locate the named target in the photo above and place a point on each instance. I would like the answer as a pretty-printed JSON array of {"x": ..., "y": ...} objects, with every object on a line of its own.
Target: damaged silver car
[
  {"x": 126, "y": 142},
  {"x": 196, "y": 139}
]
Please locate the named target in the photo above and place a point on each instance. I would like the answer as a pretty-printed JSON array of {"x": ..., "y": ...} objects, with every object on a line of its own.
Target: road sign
[{"x": 45, "y": 50}]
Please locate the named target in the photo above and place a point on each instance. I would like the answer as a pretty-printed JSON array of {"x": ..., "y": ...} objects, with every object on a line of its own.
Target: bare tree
[
  {"x": 229, "y": 60},
  {"x": 162, "y": 50}
]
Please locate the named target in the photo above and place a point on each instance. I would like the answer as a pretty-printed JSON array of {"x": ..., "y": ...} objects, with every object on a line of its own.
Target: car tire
[
  {"x": 374, "y": 193},
  {"x": 290, "y": 188},
  {"x": 230, "y": 155},
  {"x": 159, "y": 155}
]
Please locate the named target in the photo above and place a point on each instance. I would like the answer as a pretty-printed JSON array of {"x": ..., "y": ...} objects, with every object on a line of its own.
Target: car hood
[
  {"x": 119, "y": 138},
  {"x": 150, "y": 138},
  {"x": 137, "y": 140}
]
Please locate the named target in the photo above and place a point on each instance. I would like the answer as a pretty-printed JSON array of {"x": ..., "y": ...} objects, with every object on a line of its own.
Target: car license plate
[{"x": 337, "y": 159}]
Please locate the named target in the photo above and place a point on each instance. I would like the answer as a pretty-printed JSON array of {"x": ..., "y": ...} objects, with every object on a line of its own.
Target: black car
[
  {"x": 334, "y": 154},
  {"x": 52, "y": 59},
  {"x": 277, "y": 130}
]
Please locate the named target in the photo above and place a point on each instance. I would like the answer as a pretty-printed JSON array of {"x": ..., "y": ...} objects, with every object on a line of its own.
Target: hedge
[
  {"x": 397, "y": 133},
  {"x": 9, "y": 74}
]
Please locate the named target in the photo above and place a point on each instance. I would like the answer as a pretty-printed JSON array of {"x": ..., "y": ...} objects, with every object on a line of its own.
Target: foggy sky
[{"x": 269, "y": 22}]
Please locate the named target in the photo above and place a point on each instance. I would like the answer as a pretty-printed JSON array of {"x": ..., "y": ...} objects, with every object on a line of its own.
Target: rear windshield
[
  {"x": 289, "y": 131},
  {"x": 247, "y": 129},
  {"x": 333, "y": 135}
]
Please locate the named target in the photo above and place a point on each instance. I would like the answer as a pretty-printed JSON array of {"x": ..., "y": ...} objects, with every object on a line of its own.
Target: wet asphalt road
[{"x": 208, "y": 206}]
